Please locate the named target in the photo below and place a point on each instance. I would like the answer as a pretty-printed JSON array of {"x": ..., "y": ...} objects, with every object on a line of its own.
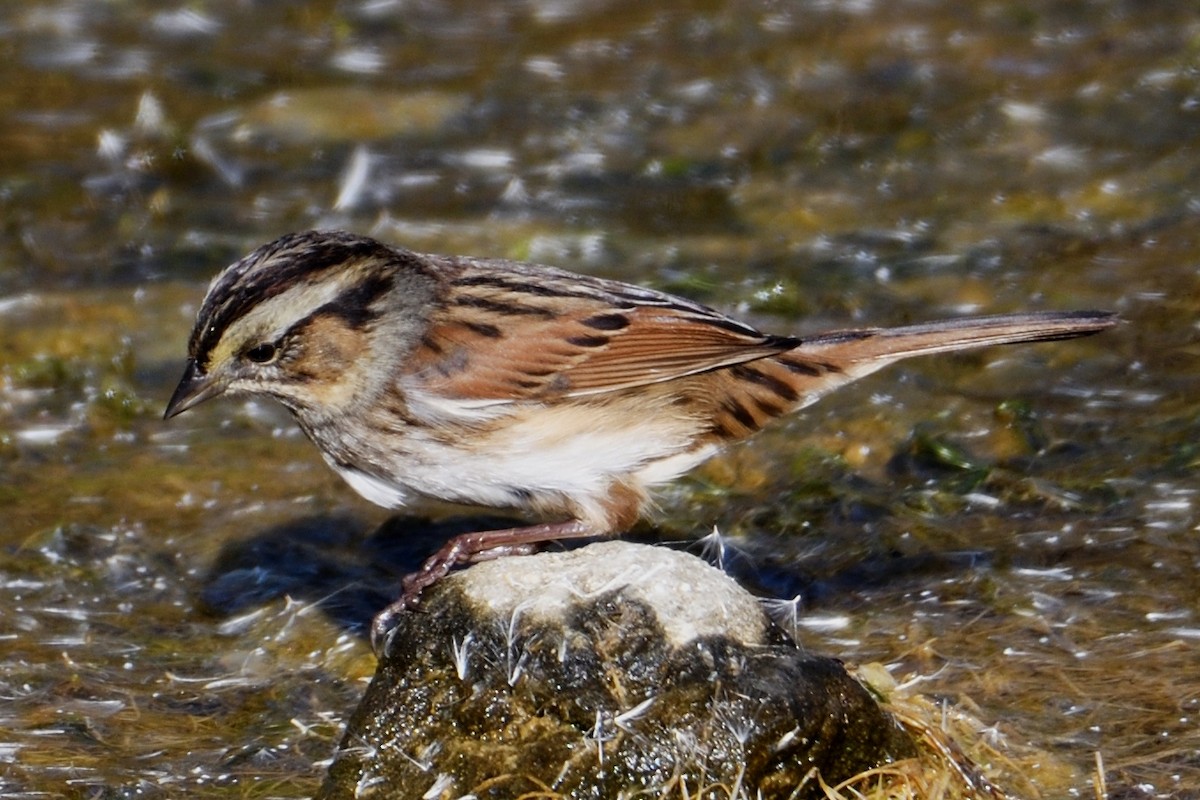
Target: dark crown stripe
[{"x": 271, "y": 270}]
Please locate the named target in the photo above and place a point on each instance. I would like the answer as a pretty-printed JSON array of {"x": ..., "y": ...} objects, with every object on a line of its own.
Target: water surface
[{"x": 181, "y": 605}]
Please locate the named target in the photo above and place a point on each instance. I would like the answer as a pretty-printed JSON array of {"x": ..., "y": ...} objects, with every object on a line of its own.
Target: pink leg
[{"x": 469, "y": 548}]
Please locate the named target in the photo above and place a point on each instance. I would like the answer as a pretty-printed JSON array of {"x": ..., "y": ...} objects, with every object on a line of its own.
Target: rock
[{"x": 594, "y": 672}]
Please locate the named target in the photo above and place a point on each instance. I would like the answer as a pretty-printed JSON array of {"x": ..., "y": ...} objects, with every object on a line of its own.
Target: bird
[{"x": 512, "y": 385}]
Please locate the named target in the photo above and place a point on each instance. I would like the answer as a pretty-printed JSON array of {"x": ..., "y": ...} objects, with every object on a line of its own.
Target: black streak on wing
[
  {"x": 483, "y": 329},
  {"x": 607, "y": 322},
  {"x": 805, "y": 366},
  {"x": 741, "y": 414},
  {"x": 588, "y": 341},
  {"x": 720, "y": 430},
  {"x": 503, "y": 308},
  {"x": 514, "y": 286},
  {"x": 770, "y": 409},
  {"x": 776, "y": 386},
  {"x": 733, "y": 326}
]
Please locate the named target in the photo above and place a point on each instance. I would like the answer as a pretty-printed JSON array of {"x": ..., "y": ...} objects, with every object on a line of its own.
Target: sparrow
[{"x": 512, "y": 385}]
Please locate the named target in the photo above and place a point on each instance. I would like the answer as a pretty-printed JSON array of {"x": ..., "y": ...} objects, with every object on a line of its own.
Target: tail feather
[
  {"x": 745, "y": 397},
  {"x": 944, "y": 336}
]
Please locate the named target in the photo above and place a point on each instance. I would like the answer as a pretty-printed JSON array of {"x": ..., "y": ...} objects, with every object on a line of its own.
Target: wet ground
[{"x": 181, "y": 605}]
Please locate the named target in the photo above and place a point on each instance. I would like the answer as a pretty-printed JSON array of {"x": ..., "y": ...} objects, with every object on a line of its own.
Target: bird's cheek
[{"x": 331, "y": 361}]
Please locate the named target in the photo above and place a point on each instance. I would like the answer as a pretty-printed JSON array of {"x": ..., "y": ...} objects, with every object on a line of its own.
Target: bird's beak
[{"x": 193, "y": 389}]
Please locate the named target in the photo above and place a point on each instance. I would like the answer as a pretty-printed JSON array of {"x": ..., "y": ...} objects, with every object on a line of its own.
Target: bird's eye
[{"x": 262, "y": 353}]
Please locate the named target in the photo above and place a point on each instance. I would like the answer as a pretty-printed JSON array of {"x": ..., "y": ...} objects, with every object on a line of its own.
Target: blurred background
[{"x": 1012, "y": 532}]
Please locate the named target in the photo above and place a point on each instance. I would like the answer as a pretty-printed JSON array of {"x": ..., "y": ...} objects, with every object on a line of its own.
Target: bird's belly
[{"x": 563, "y": 458}]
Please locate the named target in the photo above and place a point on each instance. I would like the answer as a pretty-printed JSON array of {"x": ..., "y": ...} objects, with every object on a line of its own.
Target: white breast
[{"x": 380, "y": 492}]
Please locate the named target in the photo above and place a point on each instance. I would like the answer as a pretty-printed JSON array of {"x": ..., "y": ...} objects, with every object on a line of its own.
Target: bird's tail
[
  {"x": 750, "y": 394},
  {"x": 885, "y": 345}
]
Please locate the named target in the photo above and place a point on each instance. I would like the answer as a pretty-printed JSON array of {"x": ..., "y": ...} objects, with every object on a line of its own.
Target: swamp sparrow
[{"x": 505, "y": 384}]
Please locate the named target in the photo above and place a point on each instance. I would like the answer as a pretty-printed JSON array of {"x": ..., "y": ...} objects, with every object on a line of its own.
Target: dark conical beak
[{"x": 193, "y": 389}]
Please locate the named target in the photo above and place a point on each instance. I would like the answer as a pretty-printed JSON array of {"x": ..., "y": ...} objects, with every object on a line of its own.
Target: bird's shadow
[
  {"x": 351, "y": 570},
  {"x": 342, "y": 564},
  {"x": 339, "y": 562}
]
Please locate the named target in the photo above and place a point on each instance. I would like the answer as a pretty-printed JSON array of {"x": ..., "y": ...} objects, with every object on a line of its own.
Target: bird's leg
[
  {"x": 503, "y": 551},
  {"x": 469, "y": 548}
]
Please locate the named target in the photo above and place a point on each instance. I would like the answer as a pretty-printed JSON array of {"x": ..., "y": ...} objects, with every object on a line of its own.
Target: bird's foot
[{"x": 467, "y": 548}]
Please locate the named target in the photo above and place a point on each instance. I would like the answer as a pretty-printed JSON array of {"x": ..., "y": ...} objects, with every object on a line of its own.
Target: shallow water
[{"x": 1016, "y": 530}]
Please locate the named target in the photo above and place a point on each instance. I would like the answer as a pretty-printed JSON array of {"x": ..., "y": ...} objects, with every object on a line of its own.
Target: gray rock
[{"x": 599, "y": 673}]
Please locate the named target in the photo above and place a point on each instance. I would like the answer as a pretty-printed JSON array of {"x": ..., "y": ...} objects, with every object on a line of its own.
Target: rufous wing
[{"x": 505, "y": 340}]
